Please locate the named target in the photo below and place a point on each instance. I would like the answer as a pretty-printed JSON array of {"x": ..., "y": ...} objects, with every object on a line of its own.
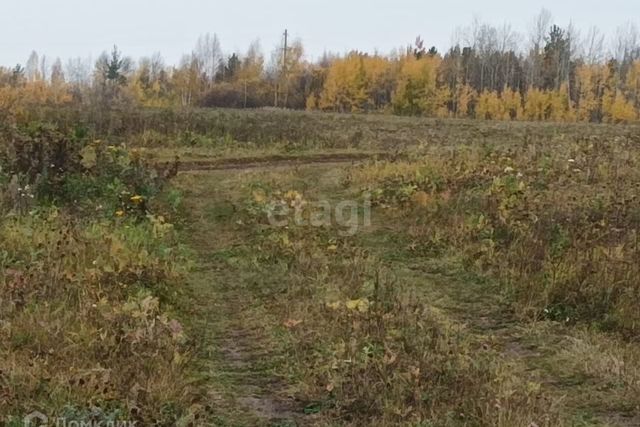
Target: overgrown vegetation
[
  {"x": 411, "y": 238},
  {"x": 499, "y": 265},
  {"x": 556, "y": 223},
  {"x": 370, "y": 349},
  {"x": 494, "y": 285},
  {"x": 88, "y": 272}
]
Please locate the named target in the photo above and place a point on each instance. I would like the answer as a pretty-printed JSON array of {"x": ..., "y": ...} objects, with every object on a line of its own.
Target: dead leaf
[
  {"x": 420, "y": 198},
  {"x": 291, "y": 323}
]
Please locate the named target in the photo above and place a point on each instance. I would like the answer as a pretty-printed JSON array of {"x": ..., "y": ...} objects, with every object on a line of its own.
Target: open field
[{"x": 319, "y": 269}]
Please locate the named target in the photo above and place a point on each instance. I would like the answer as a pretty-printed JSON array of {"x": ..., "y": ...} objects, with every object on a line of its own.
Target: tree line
[{"x": 551, "y": 73}]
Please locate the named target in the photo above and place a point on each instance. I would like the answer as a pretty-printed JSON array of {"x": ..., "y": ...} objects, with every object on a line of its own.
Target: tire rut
[
  {"x": 234, "y": 354},
  {"x": 273, "y": 162}
]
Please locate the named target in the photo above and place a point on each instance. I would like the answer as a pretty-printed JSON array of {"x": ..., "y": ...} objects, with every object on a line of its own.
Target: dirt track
[{"x": 277, "y": 161}]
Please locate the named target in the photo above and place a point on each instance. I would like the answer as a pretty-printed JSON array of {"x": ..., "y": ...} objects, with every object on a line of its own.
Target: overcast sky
[{"x": 71, "y": 28}]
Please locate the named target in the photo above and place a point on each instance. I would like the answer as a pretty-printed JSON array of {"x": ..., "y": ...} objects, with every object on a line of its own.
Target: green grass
[{"x": 267, "y": 283}]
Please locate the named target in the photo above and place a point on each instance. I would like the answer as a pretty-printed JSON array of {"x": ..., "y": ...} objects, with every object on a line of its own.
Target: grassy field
[{"x": 310, "y": 269}]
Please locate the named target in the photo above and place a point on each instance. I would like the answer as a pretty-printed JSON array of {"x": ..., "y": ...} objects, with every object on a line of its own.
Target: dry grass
[
  {"x": 495, "y": 286},
  {"x": 557, "y": 224},
  {"x": 87, "y": 275}
]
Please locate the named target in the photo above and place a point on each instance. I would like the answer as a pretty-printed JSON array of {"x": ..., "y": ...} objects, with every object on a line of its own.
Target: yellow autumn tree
[
  {"x": 559, "y": 108},
  {"x": 535, "y": 105},
  {"x": 346, "y": 86},
  {"x": 589, "y": 81},
  {"x": 489, "y": 106},
  {"x": 381, "y": 78},
  {"x": 511, "y": 104},
  {"x": 26, "y": 95},
  {"x": 617, "y": 109},
  {"x": 311, "y": 102},
  {"x": 465, "y": 96},
  {"x": 443, "y": 100},
  {"x": 187, "y": 81},
  {"x": 248, "y": 78},
  {"x": 633, "y": 84},
  {"x": 416, "y": 93}
]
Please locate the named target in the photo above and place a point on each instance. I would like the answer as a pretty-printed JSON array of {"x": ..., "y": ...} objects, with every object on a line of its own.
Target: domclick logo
[
  {"x": 35, "y": 419},
  {"x": 38, "y": 419}
]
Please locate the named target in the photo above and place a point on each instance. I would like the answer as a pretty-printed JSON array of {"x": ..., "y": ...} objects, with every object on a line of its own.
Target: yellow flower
[
  {"x": 334, "y": 305},
  {"x": 292, "y": 195},
  {"x": 120, "y": 213},
  {"x": 259, "y": 197},
  {"x": 135, "y": 154},
  {"x": 361, "y": 305},
  {"x": 137, "y": 199}
]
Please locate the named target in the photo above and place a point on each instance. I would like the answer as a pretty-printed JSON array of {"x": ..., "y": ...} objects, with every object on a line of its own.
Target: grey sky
[{"x": 70, "y": 28}]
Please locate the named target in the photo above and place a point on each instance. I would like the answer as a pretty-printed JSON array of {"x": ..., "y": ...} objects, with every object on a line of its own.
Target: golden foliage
[
  {"x": 416, "y": 92},
  {"x": 589, "y": 79},
  {"x": 489, "y": 106},
  {"x": 617, "y": 109},
  {"x": 350, "y": 84},
  {"x": 465, "y": 95},
  {"x": 32, "y": 94}
]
